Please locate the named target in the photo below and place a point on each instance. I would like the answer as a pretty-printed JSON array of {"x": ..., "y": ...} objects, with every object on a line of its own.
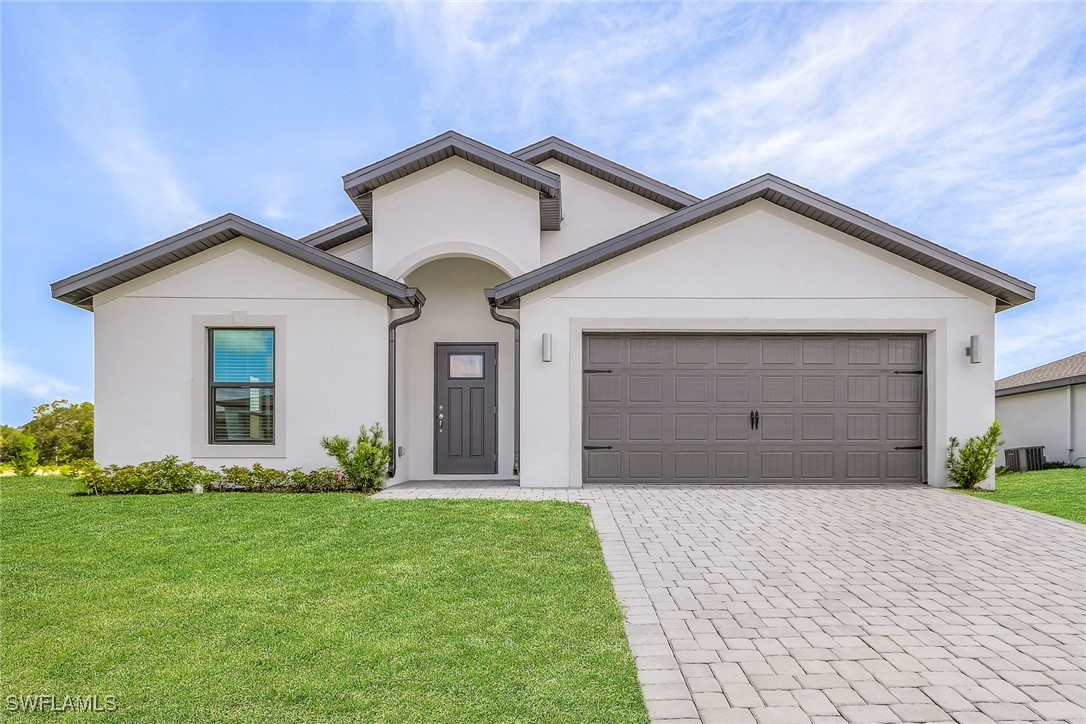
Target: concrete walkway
[{"x": 830, "y": 604}]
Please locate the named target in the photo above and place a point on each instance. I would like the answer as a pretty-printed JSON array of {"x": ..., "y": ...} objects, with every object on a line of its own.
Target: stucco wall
[
  {"x": 151, "y": 357},
  {"x": 758, "y": 267},
  {"x": 592, "y": 211},
  {"x": 359, "y": 251},
  {"x": 455, "y": 311},
  {"x": 455, "y": 208},
  {"x": 1055, "y": 418}
]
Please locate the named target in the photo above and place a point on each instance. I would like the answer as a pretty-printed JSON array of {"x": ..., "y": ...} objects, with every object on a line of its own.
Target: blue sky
[{"x": 124, "y": 123}]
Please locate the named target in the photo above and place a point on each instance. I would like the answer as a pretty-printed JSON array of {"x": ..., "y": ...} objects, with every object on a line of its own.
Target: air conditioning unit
[{"x": 1022, "y": 459}]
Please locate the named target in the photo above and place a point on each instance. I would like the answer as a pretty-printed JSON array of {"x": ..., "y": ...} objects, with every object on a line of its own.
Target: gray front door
[
  {"x": 466, "y": 409},
  {"x": 720, "y": 408}
]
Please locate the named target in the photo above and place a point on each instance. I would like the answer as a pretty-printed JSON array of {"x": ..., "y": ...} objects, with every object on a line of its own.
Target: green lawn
[
  {"x": 1060, "y": 492},
  {"x": 262, "y": 607}
]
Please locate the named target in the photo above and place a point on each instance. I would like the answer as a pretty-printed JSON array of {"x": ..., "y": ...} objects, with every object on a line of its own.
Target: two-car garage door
[{"x": 724, "y": 408}]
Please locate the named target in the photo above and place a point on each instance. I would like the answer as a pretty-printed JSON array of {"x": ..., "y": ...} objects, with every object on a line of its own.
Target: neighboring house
[
  {"x": 764, "y": 334},
  {"x": 1046, "y": 406}
]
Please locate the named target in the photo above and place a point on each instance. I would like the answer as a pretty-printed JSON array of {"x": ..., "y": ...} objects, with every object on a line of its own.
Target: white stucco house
[
  {"x": 1046, "y": 406},
  {"x": 550, "y": 316}
]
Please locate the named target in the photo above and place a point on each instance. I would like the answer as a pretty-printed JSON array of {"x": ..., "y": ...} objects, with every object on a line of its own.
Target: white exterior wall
[
  {"x": 756, "y": 268},
  {"x": 592, "y": 211},
  {"x": 151, "y": 357},
  {"x": 1055, "y": 418},
  {"x": 455, "y": 208},
  {"x": 457, "y": 312},
  {"x": 358, "y": 251}
]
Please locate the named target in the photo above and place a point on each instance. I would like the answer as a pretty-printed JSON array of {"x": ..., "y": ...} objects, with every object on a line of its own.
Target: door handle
[
  {"x": 757, "y": 422},
  {"x": 440, "y": 421},
  {"x": 752, "y": 419}
]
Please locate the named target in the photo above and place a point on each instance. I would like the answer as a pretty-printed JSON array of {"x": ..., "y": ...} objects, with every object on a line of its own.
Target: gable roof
[
  {"x": 607, "y": 170},
  {"x": 1061, "y": 373},
  {"x": 1007, "y": 290},
  {"x": 338, "y": 233},
  {"x": 79, "y": 289},
  {"x": 360, "y": 184}
]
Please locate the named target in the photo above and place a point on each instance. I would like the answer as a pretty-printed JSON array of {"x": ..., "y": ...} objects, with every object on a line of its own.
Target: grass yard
[
  {"x": 270, "y": 607},
  {"x": 1059, "y": 492}
]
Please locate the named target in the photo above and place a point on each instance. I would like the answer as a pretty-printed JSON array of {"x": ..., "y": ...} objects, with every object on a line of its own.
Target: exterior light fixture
[
  {"x": 546, "y": 346},
  {"x": 973, "y": 350}
]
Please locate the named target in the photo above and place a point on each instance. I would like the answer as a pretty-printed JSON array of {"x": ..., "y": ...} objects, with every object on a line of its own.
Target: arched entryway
[{"x": 455, "y": 328}]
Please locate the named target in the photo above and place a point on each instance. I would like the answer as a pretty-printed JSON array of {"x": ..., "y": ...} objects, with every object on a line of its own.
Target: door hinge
[
  {"x": 598, "y": 372},
  {"x": 908, "y": 372},
  {"x": 598, "y": 447},
  {"x": 909, "y": 447}
]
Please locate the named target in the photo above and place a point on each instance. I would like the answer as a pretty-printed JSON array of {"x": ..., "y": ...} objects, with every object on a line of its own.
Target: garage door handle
[
  {"x": 598, "y": 447},
  {"x": 910, "y": 447},
  {"x": 752, "y": 419}
]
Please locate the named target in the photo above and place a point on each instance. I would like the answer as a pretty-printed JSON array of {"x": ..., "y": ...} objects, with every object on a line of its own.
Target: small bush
[
  {"x": 365, "y": 462},
  {"x": 259, "y": 479},
  {"x": 968, "y": 464},
  {"x": 24, "y": 458},
  {"x": 168, "y": 475}
]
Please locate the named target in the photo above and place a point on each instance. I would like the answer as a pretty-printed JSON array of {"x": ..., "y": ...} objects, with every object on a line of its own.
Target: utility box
[{"x": 1022, "y": 459}]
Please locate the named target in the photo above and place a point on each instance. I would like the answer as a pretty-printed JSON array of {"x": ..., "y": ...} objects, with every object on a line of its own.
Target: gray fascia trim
[
  {"x": 79, "y": 289},
  {"x": 338, "y": 233},
  {"x": 607, "y": 170},
  {"x": 439, "y": 148},
  {"x": 1038, "y": 386},
  {"x": 1008, "y": 290}
]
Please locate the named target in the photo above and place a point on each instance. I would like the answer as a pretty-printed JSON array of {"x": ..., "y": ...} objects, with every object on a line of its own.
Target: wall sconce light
[
  {"x": 973, "y": 350},
  {"x": 546, "y": 346}
]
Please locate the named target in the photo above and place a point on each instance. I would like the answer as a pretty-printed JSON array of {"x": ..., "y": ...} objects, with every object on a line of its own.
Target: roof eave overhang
[
  {"x": 1040, "y": 386},
  {"x": 1007, "y": 290},
  {"x": 606, "y": 170},
  {"x": 80, "y": 289},
  {"x": 339, "y": 233},
  {"x": 359, "y": 185}
]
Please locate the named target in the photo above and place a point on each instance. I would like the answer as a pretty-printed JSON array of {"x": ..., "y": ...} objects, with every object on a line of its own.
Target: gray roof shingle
[{"x": 1067, "y": 371}]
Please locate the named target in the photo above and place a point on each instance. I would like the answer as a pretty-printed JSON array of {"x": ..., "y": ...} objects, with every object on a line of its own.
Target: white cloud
[
  {"x": 961, "y": 122},
  {"x": 98, "y": 102},
  {"x": 34, "y": 384}
]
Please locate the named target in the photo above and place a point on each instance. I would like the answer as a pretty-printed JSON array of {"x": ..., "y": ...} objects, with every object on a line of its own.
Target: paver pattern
[{"x": 832, "y": 604}]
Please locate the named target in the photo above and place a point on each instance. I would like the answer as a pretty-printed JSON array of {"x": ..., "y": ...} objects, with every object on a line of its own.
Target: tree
[
  {"x": 9, "y": 438},
  {"x": 25, "y": 458},
  {"x": 64, "y": 431}
]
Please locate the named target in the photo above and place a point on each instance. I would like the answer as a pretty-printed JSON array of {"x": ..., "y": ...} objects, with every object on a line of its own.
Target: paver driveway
[{"x": 764, "y": 604}]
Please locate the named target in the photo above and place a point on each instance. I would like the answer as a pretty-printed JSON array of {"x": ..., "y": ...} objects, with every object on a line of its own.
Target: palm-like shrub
[
  {"x": 365, "y": 462},
  {"x": 968, "y": 463}
]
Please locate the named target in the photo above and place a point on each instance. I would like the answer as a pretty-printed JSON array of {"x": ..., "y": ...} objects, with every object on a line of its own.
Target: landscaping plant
[
  {"x": 968, "y": 463},
  {"x": 365, "y": 463},
  {"x": 24, "y": 457}
]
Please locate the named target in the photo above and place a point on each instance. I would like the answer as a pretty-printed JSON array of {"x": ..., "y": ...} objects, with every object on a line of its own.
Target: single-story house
[
  {"x": 1046, "y": 406},
  {"x": 551, "y": 316}
]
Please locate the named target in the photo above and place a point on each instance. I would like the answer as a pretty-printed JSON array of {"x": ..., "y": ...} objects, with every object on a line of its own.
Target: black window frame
[{"x": 212, "y": 385}]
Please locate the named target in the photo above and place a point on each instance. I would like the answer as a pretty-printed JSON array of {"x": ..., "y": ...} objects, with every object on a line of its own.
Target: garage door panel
[
  {"x": 646, "y": 388},
  {"x": 677, "y": 408}
]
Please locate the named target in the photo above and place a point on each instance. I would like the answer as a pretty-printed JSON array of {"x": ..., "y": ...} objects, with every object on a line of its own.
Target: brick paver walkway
[{"x": 901, "y": 604}]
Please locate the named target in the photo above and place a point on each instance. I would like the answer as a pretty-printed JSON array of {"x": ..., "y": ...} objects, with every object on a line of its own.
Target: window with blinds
[{"x": 241, "y": 386}]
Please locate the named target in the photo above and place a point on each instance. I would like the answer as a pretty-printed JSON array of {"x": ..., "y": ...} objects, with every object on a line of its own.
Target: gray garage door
[{"x": 678, "y": 408}]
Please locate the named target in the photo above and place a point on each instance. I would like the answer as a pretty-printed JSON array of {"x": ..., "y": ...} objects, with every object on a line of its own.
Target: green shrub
[
  {"x": 257, "y": 479},
  {"x": 968, "y": 464},
  {"x": 24, "y": 457},
  {"x": 168, "y": 475},
  {"x": 365, "y": 463}
]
